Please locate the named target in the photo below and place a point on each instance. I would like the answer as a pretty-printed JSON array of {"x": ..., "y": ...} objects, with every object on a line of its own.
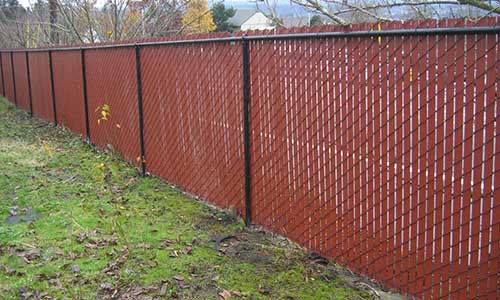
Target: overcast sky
[{"x": 26, "y": 3}]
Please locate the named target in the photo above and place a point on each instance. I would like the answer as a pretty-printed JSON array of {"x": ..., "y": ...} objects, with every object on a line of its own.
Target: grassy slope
[{"x": 104, "y": 231}]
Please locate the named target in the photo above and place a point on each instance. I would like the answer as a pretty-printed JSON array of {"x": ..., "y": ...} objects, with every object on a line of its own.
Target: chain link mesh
[
  {"x": 41, "y": 90},
  {"x": 7, "y": 76},
  {"x": 193, "y": 124},
  {"x": 21, "y": 80},
  {"x": 68, "y": 87},
  {"x": 112, "y": 88},
  {"x": 380, "y": 153},
  {"x": 2, "y": 85}
]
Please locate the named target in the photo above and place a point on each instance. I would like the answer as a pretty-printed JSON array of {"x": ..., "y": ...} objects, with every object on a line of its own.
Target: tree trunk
[{"x": 53, "y": 21}]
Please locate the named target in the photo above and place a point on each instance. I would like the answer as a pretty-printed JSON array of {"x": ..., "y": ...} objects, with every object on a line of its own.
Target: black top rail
[{"x": 333, "y": 34}]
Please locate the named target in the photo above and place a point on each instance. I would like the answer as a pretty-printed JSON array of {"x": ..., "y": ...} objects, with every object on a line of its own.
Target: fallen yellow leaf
[{"x": 47, "y": 149}]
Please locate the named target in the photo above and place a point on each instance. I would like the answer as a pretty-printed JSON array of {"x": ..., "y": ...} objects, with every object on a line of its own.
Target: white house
[{"x": 247, "y": 19}]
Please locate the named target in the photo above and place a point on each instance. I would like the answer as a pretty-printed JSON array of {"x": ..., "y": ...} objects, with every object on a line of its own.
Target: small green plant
[
  {"x": 99, "y": 171},
  {"x": 105, "y": 115}
]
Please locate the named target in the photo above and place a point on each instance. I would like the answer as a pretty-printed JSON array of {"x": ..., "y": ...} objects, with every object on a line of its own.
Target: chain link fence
[
  {"x": 112, "y": 100},
  {"x": 7, "y": 76},
  {"x": 68, "y": 90},
  {"x": 42, "y": 96},
  {"x": 21, "y": 80},
  {"x": 375, "y": 145},
  {"x": 199, "y": 146}
]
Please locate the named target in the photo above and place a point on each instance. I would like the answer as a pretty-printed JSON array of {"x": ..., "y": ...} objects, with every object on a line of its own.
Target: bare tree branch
[{"x": 336, "y": 9}]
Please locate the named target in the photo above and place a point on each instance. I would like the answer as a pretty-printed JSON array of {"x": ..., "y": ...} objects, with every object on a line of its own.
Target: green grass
[{"x": 103, "y": 231}]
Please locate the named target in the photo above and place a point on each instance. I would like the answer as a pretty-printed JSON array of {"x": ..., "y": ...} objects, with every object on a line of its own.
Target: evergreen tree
[
  {"x": 316, "y": 21},
  {"x": 221, "y": 15}
]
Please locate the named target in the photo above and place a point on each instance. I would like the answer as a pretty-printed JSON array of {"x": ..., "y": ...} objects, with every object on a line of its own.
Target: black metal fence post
[
  {"x": 52, "y": 88},
  {"x": 85, "y": 100},
  {"x": 139, "y": 103},
  {"x": 29, "y": 82},
  {"x": 1, "y": 70},
  {"x": 246, "y": 130},
  {"x": 13, "y": 76}
]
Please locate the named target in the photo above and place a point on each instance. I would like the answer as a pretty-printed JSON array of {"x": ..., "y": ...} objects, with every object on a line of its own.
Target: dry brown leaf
[
  {"x": 163, "y": 289},
  {"x": 224, "y": 294},
  {"x": 144, "y": 246},
  {"x": 236, "y": 293}
]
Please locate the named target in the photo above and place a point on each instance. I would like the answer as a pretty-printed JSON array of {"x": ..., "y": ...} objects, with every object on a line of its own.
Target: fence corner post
[
  {"x": 29, "y": 82},
  {"x": 246, "y": 129},
  {"x": 52, "y": 88},
  {"x": 139, "y": 107}
]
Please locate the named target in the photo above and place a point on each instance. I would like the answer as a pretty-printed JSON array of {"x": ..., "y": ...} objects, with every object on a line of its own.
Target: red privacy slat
[
  {"x": 68, "y": 87},
  {"x": 7, "y": 76},
  {"x": 393, "y": 133},
  {"x": 193, "y": 100},
  {"x": 379, "y": 152},
  {"x": 41, "y": 89},
  {"x": 21, "y": 78},
  {"x": 111, "y": 80},
  {"x": 2, "y": 87}
]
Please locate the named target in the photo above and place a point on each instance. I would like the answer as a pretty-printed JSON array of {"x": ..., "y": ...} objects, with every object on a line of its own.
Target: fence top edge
[{"x": 246, "y": 38}]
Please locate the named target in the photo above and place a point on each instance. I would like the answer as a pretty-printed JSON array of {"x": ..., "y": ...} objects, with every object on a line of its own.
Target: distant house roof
[
  {"x": 242, "y": 15},
  {"x": 250, "y": 19}
]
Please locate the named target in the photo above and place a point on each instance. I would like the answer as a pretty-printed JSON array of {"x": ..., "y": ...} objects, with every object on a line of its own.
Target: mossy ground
[{"x": 106, "y": 233}]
